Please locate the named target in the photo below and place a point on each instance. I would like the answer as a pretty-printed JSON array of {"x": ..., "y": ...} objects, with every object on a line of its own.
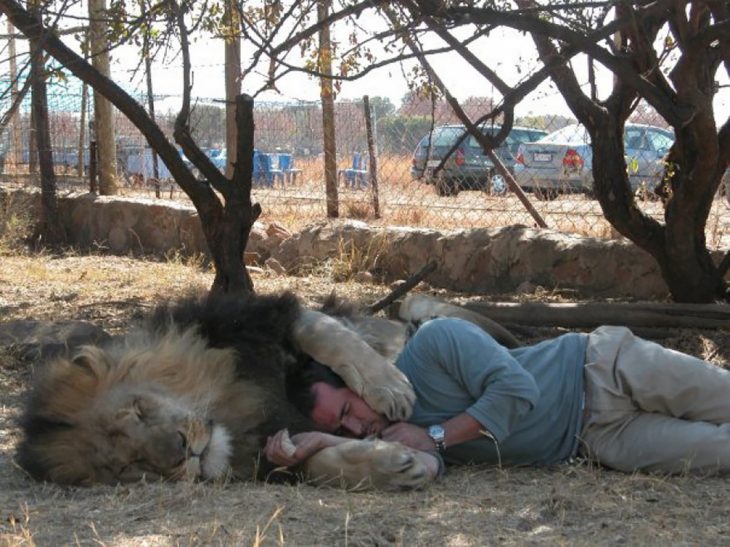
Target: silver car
[{"x": 563, "y": 161}]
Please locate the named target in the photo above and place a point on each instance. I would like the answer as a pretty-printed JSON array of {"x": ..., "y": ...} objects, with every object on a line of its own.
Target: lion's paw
[
  {"x": 397, "y": 466},
  {"x": 363, "y": 464},
  {"x": 389, "y": 392}
]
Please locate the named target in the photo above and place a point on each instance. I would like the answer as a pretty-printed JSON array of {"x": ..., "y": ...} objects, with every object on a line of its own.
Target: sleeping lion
[{"x": 195, "y": 392}]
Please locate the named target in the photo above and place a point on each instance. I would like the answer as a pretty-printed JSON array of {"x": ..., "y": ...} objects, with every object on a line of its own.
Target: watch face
[{"x": 436, "y": 432}]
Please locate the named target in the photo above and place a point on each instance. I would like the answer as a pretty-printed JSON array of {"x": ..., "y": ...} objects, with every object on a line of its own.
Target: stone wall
[
  {"x": 488, "y": 260},
  {"x": 122, "y": 225},
  {"x": 515, "y": 258}
]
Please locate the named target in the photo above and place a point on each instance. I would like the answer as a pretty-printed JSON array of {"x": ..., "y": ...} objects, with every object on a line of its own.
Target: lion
[{"x": 194, "y": 393}]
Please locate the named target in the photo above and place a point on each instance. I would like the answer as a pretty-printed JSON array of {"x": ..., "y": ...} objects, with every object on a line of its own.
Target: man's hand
[
  {"x": 410, "y": 435},
  {"x": 288, "y": 451}
]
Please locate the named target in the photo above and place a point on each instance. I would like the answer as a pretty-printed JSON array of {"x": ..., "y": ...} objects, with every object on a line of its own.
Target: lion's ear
[
  {"x": 67, "y": 387},
  {"x": 94, "y": 361}
]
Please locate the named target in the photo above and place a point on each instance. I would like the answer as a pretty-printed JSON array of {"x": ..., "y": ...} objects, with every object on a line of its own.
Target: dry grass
[
  {"x": 16, "y": 226},
  {"x": 576, "y": 505}
]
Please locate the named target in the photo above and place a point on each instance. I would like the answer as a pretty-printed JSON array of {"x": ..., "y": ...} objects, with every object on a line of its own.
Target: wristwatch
[{"x": 438, "y": 435}]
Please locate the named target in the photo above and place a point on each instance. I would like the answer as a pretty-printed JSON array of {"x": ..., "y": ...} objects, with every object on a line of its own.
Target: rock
[
  {"x": 34, "y": 340},
  {"x": 276, "y": 229},
  {"x": 250, "y": 258},
  {"x": 363, "y": 277},
  {"x": 526, "y": 288},
  {"x": 276, "y": 266}
]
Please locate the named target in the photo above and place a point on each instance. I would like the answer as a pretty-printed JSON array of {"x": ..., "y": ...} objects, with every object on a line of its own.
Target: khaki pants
[{"x": 653, "y": 409}]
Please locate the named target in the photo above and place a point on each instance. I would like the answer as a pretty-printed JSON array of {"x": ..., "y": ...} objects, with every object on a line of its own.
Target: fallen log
[{"x": 593, "y": 314}]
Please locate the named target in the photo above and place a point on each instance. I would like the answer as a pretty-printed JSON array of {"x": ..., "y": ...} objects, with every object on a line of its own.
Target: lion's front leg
[
  {"x": 372, "y": 463},
  {"x": 365, "y": 371}
]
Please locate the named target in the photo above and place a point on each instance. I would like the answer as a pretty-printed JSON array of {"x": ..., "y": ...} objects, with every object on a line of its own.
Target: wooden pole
[
  {"x": 232, "y": 56},
  {"x": 594, "y": 314},
  {"x": 373, "y": 157},
  {"x": 103, "y": 114},
  {"x": 16, "y": 156},
  {"x": 328, "y": 112},
  {"x": 151, "y": 110}
]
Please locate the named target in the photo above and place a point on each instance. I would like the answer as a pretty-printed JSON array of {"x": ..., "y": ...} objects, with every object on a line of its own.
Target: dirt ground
[{"x": 573, "y": 505}]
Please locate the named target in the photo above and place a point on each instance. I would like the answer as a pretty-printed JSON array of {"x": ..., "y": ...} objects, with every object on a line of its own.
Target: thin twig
[{"x": 402, "y": 289}]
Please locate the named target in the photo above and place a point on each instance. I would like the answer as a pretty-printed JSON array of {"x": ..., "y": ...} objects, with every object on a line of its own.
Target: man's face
[{"x": 342, "y": 412}]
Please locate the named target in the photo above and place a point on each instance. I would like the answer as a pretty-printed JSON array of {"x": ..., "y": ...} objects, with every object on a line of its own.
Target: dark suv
[{"x": 467, "y": 168}]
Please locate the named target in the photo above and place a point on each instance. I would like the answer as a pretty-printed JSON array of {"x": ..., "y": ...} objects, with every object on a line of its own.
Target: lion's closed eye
[{"x": 138, "y": 409}]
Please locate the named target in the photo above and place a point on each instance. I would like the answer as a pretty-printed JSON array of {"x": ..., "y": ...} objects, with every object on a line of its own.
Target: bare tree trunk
[
  {"x": 32, "y": 145},
  {"x": 103, "y": 118},
  {"x": 151, "y": 110},
  {"x": 233, "y": 226},
  {"x": 51, "y": 229},
  {"x": 82, "y": 128},
  {"x": 233, "y": 82},
  {"x": 15, "y": 156},
  {"x": 679, "y": 246},
  {"x": 328, "y": 112}
]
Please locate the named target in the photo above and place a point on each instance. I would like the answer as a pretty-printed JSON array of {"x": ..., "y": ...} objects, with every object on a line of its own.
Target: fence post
[
  {"x": 92, "y": 157},
  {"x": 373, "y": 157}
]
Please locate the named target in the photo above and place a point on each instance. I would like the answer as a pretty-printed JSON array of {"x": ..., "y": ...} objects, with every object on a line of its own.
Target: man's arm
[
  {"x": 452, "y": 360},
  {"x": 459, "y": 429}
]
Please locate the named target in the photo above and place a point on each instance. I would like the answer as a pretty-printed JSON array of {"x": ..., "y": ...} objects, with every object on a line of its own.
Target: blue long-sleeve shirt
[{"x": 529, "y": 399}]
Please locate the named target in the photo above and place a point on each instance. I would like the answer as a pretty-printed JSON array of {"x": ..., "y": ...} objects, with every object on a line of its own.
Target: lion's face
[
  {"x": 144, "y": 431},
  {"x": 138, "y": 410}
]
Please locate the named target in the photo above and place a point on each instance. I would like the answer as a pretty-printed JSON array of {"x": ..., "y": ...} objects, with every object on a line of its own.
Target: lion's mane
[{"x": 194, "y": 392}]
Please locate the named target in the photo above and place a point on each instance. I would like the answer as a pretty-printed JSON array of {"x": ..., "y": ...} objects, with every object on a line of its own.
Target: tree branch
[
  {"x": 182, "y": 132},
  {"x": 401, "y": 289},
  {"x": 199, "y": 193}
]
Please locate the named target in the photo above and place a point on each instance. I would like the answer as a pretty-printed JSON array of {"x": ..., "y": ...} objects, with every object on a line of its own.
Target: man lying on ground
[{"x": 610, "y": 396}]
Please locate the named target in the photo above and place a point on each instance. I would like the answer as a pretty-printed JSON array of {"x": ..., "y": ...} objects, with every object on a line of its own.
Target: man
[{"x": 628, "y": 403}]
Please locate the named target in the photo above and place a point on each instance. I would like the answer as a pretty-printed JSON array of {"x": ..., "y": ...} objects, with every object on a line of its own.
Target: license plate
[
  {"x": 433, "y": 163},
  {"x": 542, "y": 157}
]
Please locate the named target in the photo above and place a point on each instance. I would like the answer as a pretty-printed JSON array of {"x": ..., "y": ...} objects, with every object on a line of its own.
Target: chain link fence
[{"x": 404, "y": 177}]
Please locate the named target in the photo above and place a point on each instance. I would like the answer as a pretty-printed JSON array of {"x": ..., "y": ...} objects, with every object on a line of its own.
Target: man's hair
[{"x": 299, "y": 384}]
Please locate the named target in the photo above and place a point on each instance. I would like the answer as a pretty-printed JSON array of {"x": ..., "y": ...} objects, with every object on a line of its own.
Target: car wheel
[
  {"x": 498, "y": 186},
  {"x": 445, "y": 187}
]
